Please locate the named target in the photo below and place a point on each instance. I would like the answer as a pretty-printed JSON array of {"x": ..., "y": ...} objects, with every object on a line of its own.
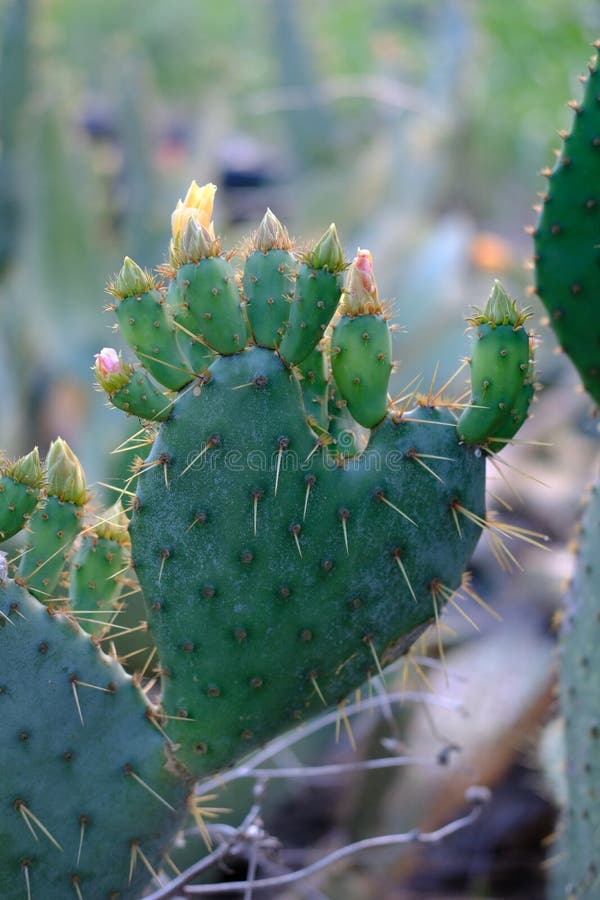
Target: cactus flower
[
  {"x": 360, "y": 292},
  {"x": 112, "y": 373},
  {"x": 197, "y": 204}
]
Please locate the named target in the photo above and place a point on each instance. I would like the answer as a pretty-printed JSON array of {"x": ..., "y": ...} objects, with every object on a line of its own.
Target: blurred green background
[{"x": 420, "y": 128}]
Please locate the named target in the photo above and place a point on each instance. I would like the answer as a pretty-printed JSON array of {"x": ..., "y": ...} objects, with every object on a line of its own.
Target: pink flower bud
[
  {"x": 360, "y": 292},
  {"x": 363, "y": 263},
  {"x": 112, "y": 373},
  {"x": 108, "y": 361}
]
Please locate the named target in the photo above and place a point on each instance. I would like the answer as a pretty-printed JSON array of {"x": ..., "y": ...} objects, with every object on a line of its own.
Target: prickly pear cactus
[
  {"x": 278, "y": 572},
  {"x": 567, "y": 258},
  {"x": 567, "y": 250},
  {"x": 91, "y": 795},
  {"x": 282, "y": 564},
  {"x": 580, "y": 666}
]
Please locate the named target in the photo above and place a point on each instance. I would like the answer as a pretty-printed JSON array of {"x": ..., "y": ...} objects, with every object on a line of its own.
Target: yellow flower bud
[{"x": 198, "y": 203}]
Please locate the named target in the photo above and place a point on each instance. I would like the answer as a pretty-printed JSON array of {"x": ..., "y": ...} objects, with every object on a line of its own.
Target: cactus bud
[
  {"x": 198, "y": 203},
  {"x": 66, "y": 479},
  {"x": 111, "y": 372},
  {"x": 327, "y": 252},
  {"x": 360, "y": 292},
  {"x": 500, "y": 309},
  {"x": 131, "y": 281},
  {"x": 113, "y": 525},
  {"x": 271, "y": 234},
  {"x": 28, "y": 469},
  {"x": 198, "y": 242},
  {"x": 3, "y": 566}
]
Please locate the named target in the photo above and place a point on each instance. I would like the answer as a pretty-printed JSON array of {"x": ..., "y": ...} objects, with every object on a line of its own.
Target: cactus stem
[
  {"x": 402, "y": 567},
  {"x": 313, "y": 681},
  {"x": 29, "y": 818},
  {"x": 379, "y": 495}
]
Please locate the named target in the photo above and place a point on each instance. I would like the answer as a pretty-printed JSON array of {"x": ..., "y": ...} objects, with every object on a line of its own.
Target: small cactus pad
[
  {"x": 567, "y": 247},
  {"x": 130, "y": 389},
  {"x": 501, "y": 371},
  {"x": 269, "y": 277},
  {"x": 20, "y": 487},
  {"x": 87, "y": 801},
  {"x": 102, "y": 555},
  {"x": 317, "y": 294},
  {"x": 146, "y": 324},
  {"x": 274, "y": 577},
  {"x": 55, "y": 524}
]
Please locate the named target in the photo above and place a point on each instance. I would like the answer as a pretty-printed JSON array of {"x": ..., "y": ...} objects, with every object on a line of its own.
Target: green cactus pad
[
  {"x": 499, "y": 370},
  {"x": 314, "y": 302},
  {"x": 567, "y": 247},
  {"x": 580, "y": 701},
  {"x": 86, "y": 792},
  {"x": 271, "y": 574},
  {"x": 210, "y": 302},
  {"x": 139, "y": 397},
  {"x": 20, "y": 488},
  {"x": 315, "y": 385},
  {"x": 342, "y": 427},
  {"x": 268, "y": 284},
  {"x": 145, "y": 323},
  {"x": 361, "y": 362},
  {"x": 53, "y": 528},
  {"x": 101, "y": 557}
]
